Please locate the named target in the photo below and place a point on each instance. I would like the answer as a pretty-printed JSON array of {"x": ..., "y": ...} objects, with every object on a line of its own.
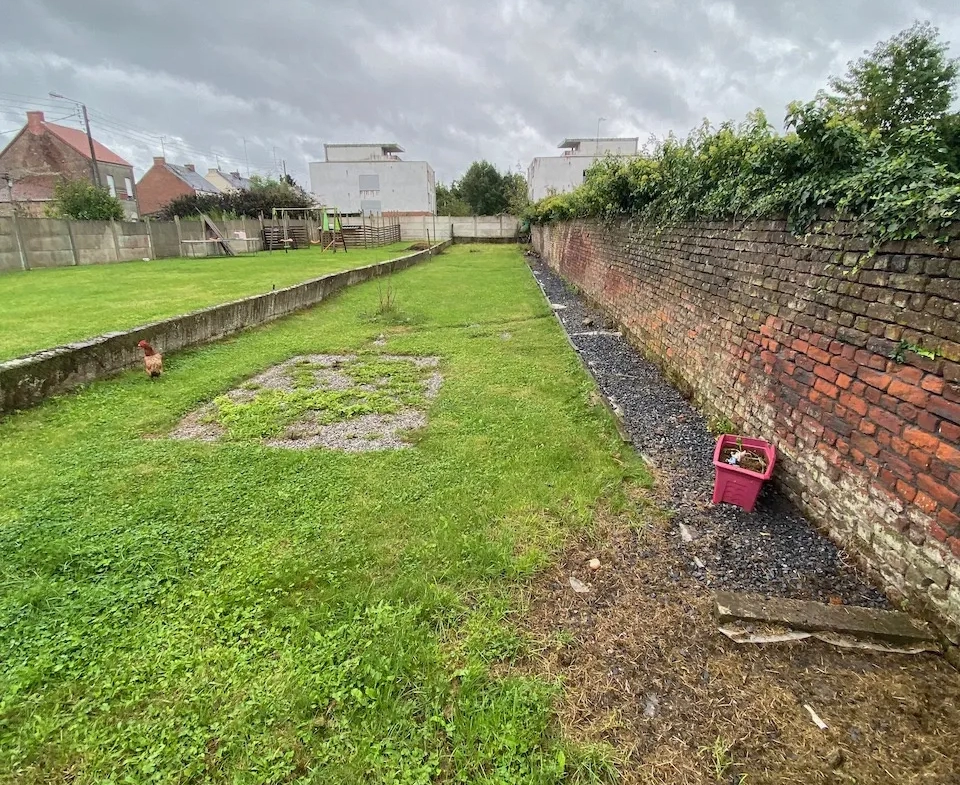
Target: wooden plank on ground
[{"x": 891, "y": 626}]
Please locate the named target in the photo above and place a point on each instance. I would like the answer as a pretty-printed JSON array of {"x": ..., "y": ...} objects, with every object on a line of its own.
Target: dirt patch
[
  {"x": 646, "y": 671},
  {"x": 350, "y": 402},
  {"x": 419, "y": 246}
]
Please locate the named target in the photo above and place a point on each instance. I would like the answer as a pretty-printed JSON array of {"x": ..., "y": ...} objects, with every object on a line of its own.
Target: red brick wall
[
  {"x": 158, "y": 187},
  {"x": 782, "y": 336}
]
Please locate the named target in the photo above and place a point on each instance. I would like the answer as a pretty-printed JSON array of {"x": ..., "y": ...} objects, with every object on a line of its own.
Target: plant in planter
[{"x": 742, "y": 466}]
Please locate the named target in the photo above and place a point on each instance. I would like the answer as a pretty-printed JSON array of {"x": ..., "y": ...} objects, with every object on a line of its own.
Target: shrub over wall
[
  {"x": 899, "y": 180},
  {"x": 900, "y": 185}
]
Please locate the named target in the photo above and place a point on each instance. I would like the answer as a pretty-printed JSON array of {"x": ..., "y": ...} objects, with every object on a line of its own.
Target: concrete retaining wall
[{"x": 26, "y": 381}]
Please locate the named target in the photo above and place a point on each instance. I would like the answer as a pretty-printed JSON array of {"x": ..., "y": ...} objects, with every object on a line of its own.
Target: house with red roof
[{"x": 44, "y": 153}]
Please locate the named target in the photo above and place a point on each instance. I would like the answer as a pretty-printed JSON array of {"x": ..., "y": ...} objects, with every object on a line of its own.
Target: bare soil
[{"x": 646, "y": 671}]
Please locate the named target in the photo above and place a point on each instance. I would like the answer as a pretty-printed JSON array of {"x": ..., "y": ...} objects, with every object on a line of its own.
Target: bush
[
  {"x": 901, "y": 180},
  {"x": 262, "y": 197},
  {"x": 84, "y": 201},
  {"x": 899, "y": 185}
]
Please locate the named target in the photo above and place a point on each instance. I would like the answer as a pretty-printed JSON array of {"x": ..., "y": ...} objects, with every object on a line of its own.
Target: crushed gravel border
[{"x": 773, "y": 550}]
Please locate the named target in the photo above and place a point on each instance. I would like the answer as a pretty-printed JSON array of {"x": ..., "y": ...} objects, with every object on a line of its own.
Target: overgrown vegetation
[
  {"x": 264, "y": 195},
  {"x": 484, "y": 191},
  {"x": 173, "y": 611},
  {"x": 81, "y": 200},
  {"x": 883, "y": 152}
]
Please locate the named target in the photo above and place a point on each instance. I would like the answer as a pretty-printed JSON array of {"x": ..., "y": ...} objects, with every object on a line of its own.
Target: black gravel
[{"x": 773, "y": 550}]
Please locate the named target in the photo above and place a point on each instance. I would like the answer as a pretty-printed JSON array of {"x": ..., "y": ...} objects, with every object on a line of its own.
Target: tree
[
  {"x": 482, "y": 189},
  {"x": 84, "y": 201},
  {"x": 904, "y": 80},
  {"x": 515, "y": 190},
  {"x": 449, "y": 201}
]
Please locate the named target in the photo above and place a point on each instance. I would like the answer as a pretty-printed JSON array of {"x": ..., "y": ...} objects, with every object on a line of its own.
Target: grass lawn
[
  {"x": 175, "y": 611},
  {"x": 44, "y": 308}
]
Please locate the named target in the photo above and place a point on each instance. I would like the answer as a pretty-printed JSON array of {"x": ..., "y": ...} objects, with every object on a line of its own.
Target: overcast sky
[{"x": 449, "y": 80}]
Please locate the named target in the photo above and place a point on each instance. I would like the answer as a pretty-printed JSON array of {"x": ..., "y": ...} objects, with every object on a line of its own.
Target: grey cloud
[{"x": 500, "y": 79}]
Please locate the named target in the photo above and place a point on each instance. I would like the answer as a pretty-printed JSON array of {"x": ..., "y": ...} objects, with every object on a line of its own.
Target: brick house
[
  {"x": 164, "y": 182},
  {"x": 44, "y": 153}
]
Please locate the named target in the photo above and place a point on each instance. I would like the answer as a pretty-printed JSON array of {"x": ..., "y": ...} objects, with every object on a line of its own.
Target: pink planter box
[{"x": 735, "y": 485}]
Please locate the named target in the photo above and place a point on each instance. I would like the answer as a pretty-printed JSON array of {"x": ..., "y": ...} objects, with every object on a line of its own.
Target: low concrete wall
[
  {"x": 53, "y": 242},
  {"x": 26, "y": 381},
  {"x": 445, "y": 227}
]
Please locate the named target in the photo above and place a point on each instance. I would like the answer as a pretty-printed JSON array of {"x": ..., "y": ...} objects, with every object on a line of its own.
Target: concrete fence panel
[
  {"x": 133, "y": 241},
  {"x": 9, "y": 251},
  {"x": 164, "y": 236},
  {"x": 46, "y": 242},
  {"x": 94, "y": 242}
]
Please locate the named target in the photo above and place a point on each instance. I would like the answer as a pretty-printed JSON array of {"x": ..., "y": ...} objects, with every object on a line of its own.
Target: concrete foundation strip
[{"x": 840, "y": 625}]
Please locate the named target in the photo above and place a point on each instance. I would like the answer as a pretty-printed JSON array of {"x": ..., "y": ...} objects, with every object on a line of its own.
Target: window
[
  {"x": 111, "y": 185},
  {"x": 369, "y": 182},
  {"x": 370, "y": 206},
  {"x": 128, "y": 184}
]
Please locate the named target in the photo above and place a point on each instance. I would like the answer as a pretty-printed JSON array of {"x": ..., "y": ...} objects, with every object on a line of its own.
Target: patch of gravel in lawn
[
  {"x": 773, "y": 550},
  {"x": 366, "y": 433},
  {"x": 362, "y": 433},
  {"x": 192, "y": 426}
]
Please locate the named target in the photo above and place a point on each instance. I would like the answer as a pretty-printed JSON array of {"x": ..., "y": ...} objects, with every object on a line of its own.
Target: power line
[
  {"x": 125, "y": 129},
  {"x": 118, "y": 127},
  {"x": 32, "y": 98}
]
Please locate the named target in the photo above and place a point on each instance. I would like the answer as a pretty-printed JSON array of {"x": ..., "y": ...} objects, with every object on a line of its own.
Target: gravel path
[{"x": 773, "y": 550}]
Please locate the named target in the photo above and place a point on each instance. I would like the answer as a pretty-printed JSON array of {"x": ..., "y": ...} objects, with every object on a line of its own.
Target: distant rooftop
[
  {"x": 189, "y": 175},
  {"x": 576, "y": 141},
  {"x": 387, "y": 147}
]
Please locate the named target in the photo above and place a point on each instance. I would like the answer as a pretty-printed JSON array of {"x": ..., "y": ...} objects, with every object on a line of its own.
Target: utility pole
[
  {"x": 284, "y": 169},
  {"x": 599, "y": 120},
  {"x": 245, "y": 158},
  {"x": 94, "y": 169},
  {"x": 16, "y": 224}
]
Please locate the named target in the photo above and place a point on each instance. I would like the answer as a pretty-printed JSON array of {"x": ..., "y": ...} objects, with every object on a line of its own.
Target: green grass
[
  {"x": 182, "y": 612},
  {"x": 45, "y": 308}
]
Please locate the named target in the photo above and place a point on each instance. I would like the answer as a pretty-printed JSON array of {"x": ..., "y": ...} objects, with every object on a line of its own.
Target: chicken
[{"x": 152, "y": 360}]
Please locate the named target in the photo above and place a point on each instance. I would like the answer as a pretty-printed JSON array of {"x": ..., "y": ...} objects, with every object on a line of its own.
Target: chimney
[
  {"x": 35, "y": 122},
  {"x": 190, "y": 167},
  {"x": 159, "y": 160}
]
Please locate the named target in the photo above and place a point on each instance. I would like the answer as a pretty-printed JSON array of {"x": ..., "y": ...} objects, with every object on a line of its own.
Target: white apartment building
[
  {"x": 373, "y": 179},
  {"x": 559, "y": 174}
]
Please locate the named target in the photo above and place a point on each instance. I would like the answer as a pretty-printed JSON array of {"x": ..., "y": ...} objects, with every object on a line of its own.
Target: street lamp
[
  {"x": 599, "y": 120},
  {"x": 94, "y": 169}
]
